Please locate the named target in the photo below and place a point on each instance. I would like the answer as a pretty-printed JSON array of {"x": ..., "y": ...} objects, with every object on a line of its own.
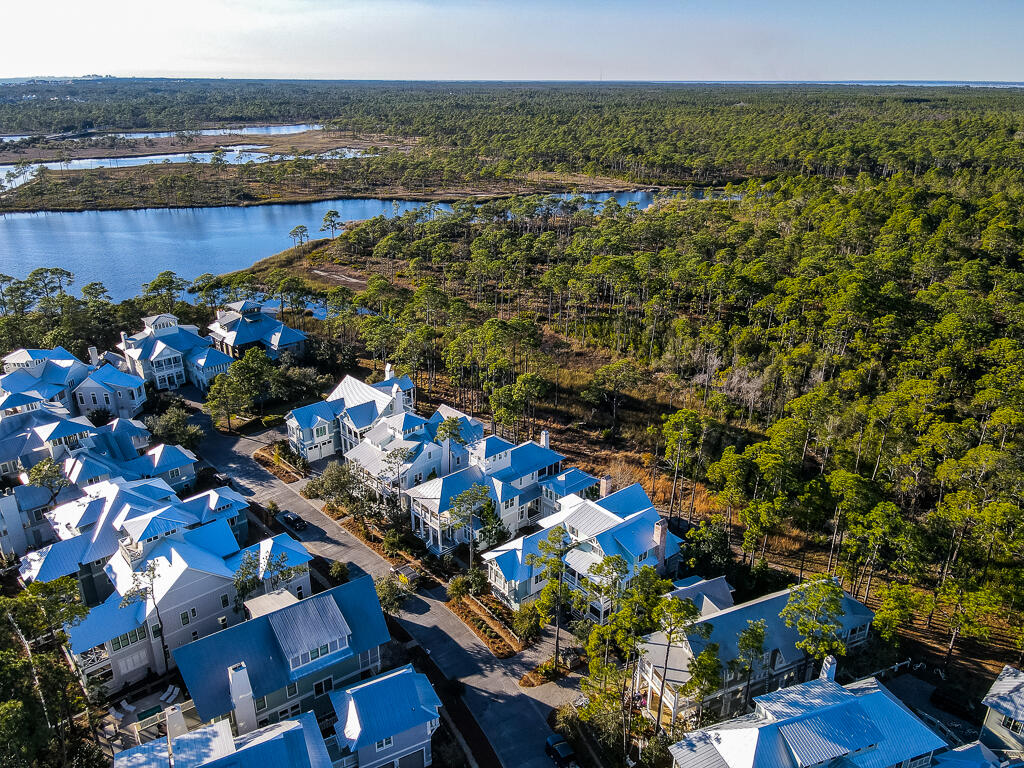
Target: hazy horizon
[{"x": 476, "y": 40}]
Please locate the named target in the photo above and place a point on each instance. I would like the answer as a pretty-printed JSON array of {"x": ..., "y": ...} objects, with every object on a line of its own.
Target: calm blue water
[
  {"x": 124, "y": 249},
  {"x": 238, "y": 154},
  {"x": 249, "y": 130}
]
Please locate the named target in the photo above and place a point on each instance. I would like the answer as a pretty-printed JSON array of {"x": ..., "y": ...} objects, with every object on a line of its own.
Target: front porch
[{"x": 433, "y": 530}]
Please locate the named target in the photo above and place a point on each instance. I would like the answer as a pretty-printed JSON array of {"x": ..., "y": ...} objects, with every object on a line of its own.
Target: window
[
  {"x": 292, "y": 689},
  {"x": 321, "y": 431},
  {"x": 298, "y": 591},
  {"x": 295, "y": 710},
  {"x": 323, "y": 686},
  {"x": 106, "y": 399},
  {"x": 385, "y": 744},
  {"x": 155, "y": 629},
  {"x": 1015, "y": 726},
  {"x": 195, "y": 636},
  {"x": 193, "y": 613},
  {"x": 282, "y": 714},
  {"x": 538, "y": 578},
  {"x": 261, "y": 703},
  {"x": 223, "y": 601},
  {"x": 94, "y": 401},
  {"x": 184, "y": 618},
  {"x": 81, "y": 398},
  {"x": 174, "y": 473},
  {"x": 223, "y": 621}
]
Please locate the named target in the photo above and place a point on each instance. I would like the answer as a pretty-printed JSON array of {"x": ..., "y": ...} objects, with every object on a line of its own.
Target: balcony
[{"x": 88, "y": 660}]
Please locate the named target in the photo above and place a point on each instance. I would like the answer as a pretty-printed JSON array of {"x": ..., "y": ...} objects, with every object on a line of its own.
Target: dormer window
[{"x": 313, "y": 654}]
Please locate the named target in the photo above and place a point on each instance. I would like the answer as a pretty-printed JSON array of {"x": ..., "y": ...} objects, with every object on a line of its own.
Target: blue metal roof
[
  {"x": 204, "y": 663},
  {"x": 572, "y": 480},
  {"x": 106, "y": 620},
  {"x": 626, "y": 501},
  {"x": 110, "y": 376},
  {"x": 307, "y": 415},
  {"x": 384, "y": 707}
]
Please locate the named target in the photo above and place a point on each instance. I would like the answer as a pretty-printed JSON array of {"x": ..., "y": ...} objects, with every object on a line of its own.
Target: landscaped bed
[
  {"x": 265, "y": 458},
  {"x": 494, "y": 641}
]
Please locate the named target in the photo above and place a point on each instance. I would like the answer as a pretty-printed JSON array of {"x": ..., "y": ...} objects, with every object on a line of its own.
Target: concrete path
[{"x": 514, "y": 719}]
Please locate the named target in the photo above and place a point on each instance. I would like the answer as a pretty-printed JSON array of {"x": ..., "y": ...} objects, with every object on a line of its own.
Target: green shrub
[
  {"x": 477, "y": 580},
  {"x": 458, "y": 588},
  {"x": 392, "y": 543},
  {"x": 339, "y": 572},
  {"x": 526, "y": 623}
]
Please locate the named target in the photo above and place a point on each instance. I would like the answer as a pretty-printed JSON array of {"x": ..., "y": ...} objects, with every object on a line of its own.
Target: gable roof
[
  {"x": 384, "y": 706},
  {"x": 204, "y": 663},
  {"x": 726, "y": 626},
  {"x": 1006, "y": 696},
  {"x": 109, "y": 378},
  {"x": 862, "y": 725}
]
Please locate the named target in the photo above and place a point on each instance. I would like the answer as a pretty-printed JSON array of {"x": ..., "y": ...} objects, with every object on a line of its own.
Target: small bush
[
  {"x": 526, "y": 623},
  {"x": 339, "y": 572},
  {"x": 458, "y": 588},
  {"x": 477, "y": 580}
]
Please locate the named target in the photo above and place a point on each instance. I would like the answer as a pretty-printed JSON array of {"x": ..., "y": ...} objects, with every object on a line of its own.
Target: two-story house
[
  {"x": 783, "y": 663},
  {"x": 28, "y": 437},
  {"x": 387, "y": 720},
  {"x": 246, "y": 324},
  {"x": 187, "y": 577},
  {"x": 35, "y": 376},
  {"x": 816, "y": 723},
  {"x": 339, "y": 423},
  {"x": 89, "y": 529},
  {"x": 402, "y": 450},
  {"x": 623, "y": 523},
  {"x": 167, "y": 354},
  {"x": 294, "y": 743},
  {"x": 279, "y": 664},
  {"x": 107, "y": 388},
  {"x": 515, "y": 477}
]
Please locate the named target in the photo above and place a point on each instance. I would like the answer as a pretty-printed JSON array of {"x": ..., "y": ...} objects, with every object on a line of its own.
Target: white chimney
[
  {"x": 175, "y": 722},
  {"x": 241, "y": 698},
  {"x": 828, "y": 668},
  {"x": 124, "y": 341},
  {"x": 387, "y": 371},
  {"x": 606, "y": 485},
  {"x": 94, "y": 356},
  {"x": 660, "y": 542},
  {"x": 545, "y": 439}
]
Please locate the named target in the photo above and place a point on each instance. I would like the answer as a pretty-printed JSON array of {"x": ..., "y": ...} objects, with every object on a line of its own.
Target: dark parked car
[
  {"x": 560, "y": 751},
  {"x": 294, "y": 521}
]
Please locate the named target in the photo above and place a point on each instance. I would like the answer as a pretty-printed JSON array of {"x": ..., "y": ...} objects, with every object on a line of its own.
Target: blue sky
[{"x": 528, "y": 39}]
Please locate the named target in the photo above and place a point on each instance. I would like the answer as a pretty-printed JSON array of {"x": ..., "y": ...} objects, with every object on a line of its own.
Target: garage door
[{"x": 413, "y": 760}]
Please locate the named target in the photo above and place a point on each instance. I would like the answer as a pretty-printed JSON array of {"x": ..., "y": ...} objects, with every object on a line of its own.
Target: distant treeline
[{"x": 657, "y": 133}]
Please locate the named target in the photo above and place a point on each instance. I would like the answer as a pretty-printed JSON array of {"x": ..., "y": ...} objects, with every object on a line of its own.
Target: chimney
[
  {"x": 241, "y": 698},
  {"x": 660, "y": 542},
  {"x": 94, "y": 356},
  {"x": 828, "y": 668},
  {"x": 606, "y": 485},
  {"x": 124, "y": 341},
  {"x": 387, "y": 371},
  {"x": 545, "y": 439},
  {"x": 175, "y": 722}
]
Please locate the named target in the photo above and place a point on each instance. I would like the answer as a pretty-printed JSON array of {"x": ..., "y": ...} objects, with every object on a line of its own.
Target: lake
[
  {"x": 124, "y": 249},
  {"x": 249, "y": 130},
  {"x": 238, "y": 154}
]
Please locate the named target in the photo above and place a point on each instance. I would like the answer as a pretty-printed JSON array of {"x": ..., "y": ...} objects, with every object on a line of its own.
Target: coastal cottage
[{"x": 246, "y": 324}]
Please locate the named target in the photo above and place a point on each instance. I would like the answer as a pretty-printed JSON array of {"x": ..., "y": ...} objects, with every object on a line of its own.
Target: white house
[
  {"x": 624, "y": 523},
  {"x": 245, "y": 324},
  {"x": 167, "y": 354},
  {"x": 35, "y": 376},
  {"x": 817, "y": 723},
  {"x": 402, "y": 450},
  {"x": 192, "y": 594},
  {"x": 337, "y": 424},
  {"x": 90, "y": 529},
  {"x": 121, "y": 393},
  {"x": 515, "y": 477}
]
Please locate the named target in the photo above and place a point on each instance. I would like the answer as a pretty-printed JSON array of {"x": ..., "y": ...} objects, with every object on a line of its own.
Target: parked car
[
  {"x": 560, "y": 751},
  {"x": 406, "y": 574},
  {"x": 294, "y": 521}
]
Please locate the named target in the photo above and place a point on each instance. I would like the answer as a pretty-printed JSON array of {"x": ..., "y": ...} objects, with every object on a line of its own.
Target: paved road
[{"x": 514, "y": 719}]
